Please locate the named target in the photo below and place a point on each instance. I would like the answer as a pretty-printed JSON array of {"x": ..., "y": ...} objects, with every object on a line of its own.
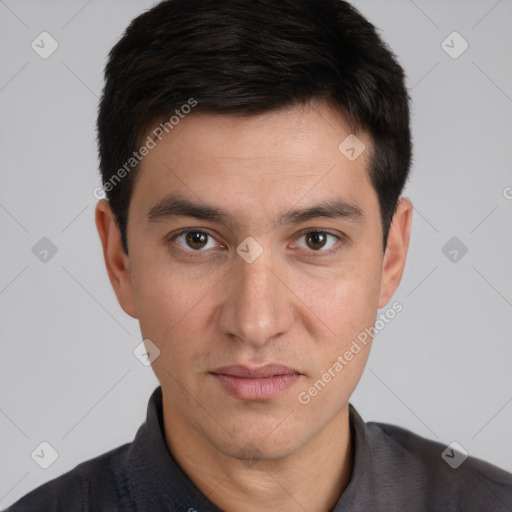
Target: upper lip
[{"x": 260, "y": 372}]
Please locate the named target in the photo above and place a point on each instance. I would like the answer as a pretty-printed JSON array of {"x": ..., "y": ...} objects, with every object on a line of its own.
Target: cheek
[
  {"x": 344, "y": 300},
  {"x": 174, "y": 312},
  {"x": 349, "y": 309},
  {"x": 161, "y": 300}
]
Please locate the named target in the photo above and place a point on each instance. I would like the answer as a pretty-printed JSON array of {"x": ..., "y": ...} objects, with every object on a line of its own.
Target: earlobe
[
  {"x": 116, "y": 261},
  {"x": 396, "y": 251}
]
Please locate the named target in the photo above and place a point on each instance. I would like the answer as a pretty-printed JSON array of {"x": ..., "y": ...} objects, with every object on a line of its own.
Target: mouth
[{"x": 256, "y": 384}]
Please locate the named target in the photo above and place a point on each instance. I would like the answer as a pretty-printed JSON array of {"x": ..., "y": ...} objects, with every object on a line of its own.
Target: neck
[{"x": 312, "y": 478}]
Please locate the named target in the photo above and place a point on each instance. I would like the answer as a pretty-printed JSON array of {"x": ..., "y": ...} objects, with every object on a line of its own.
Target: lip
[
  {"x": 256, "y": 384},
  {"x": 256, "y": 372}
]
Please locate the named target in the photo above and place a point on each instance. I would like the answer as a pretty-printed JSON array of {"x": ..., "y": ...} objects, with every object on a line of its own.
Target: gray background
[{"x": 67, "y": 372}]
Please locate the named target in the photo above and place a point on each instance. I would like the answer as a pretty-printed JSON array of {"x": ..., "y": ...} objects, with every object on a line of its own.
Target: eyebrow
[{"x": 173, "y": 206}]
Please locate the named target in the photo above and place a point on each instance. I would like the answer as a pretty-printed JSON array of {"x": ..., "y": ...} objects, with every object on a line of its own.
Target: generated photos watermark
[
  {"x": 151, "y": 143},
  {"x": 304, "y": 397}
]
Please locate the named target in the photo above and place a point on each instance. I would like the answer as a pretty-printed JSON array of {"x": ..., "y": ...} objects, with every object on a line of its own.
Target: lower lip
[{"x": 256, "y": 390}]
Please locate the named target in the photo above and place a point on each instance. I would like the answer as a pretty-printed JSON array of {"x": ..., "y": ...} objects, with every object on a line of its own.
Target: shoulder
[
  {"x": 93, "y": 483},
  {"x": 451, "y": 479}
]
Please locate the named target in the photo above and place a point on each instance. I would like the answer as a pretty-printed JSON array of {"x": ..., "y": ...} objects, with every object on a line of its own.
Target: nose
[{"x": 258, "y": 305}]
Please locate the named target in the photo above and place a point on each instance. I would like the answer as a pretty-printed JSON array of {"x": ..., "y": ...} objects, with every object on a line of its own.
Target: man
[{"x": 254, "y": 153}]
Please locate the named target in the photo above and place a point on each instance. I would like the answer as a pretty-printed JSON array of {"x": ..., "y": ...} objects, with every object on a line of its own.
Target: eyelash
[{"x": 195, "y": 254}]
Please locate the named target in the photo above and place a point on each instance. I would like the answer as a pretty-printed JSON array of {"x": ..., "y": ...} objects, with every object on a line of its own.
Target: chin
[{"x": 253, "y": 441}]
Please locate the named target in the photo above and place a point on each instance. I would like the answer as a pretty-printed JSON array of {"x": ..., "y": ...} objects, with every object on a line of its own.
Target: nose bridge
[{"x": 257, "y": 308}]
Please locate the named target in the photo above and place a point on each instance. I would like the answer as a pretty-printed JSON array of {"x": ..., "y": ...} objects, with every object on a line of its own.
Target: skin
[{"x": 293, "y": 305}]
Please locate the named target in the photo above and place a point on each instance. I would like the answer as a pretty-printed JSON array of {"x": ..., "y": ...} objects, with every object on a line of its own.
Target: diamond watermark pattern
[
  {"x": 454, "y": 250},
  {"x": 454, "y": 45},
  {"x": 44, "y": 455},
  {"x": 352, "y": 147},
  {"x": 146, "y": 352},
  {"x": 254, "y": 452},
  {"x": 249, "y": 250},
  {"x": 44, "y": 250},
  {"x": 454, "y": 455},
  {"x": 44, "y": 45}
]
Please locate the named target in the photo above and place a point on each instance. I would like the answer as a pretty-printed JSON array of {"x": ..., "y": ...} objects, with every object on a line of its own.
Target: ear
[
  {"x": 116, "y": 261},
  {"x": 396, "y": 251}
]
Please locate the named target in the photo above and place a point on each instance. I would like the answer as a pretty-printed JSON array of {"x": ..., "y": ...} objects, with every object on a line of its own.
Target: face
[{"x": 255, "y": 260}]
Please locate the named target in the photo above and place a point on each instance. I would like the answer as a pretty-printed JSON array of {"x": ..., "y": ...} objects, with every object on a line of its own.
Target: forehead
[{"x": 285, "y": 156}]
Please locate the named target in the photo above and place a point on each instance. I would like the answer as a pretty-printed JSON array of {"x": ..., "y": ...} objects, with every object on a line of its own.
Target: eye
[
  {"x": 193, "y": 240},
  {"x": 196, "y": 241},
  {"x": 318, "y": 241}
]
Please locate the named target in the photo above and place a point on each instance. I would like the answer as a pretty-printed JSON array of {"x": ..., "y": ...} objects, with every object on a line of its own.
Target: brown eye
[
  {"x": 316, "y": 240},
  {"x": 196, "y": 239}
]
